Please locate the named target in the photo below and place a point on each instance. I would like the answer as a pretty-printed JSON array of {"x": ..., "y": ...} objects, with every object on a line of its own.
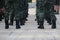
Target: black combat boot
[
  {"x": 22, "y": 22},
  {"x": 49, "y": 22},
  {"x": 35, "y": 19},
  {"x": 26, "y": 19},
  {"x": 6, "y": 24},
  {"x": 41, "y": 26},
  {"x": 53, "y": 24},
  {"x": 0, "y": 17},
  {"x": 17, "y": 24},
  {"x": 11, "y": 22},
  {"x": 48, "y": 19}
]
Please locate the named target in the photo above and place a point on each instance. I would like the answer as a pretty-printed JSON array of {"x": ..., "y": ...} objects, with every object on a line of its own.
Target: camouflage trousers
[
  {"x": 18, "y": 15},
  {"x": 8, "y": 14},
  {"x": 45, "y": 15}
]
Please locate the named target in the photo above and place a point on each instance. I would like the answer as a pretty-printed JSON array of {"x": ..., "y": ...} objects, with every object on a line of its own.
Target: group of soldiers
[
  {"x": 18, "y": 10},
  {"x": 45, "y": 10},
  {"x": 15, "y": 10}
]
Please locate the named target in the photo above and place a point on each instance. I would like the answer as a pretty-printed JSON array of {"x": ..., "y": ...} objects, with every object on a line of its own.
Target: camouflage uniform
[
  {"x": 22, "y": 20},
  {"x": 9, "y": 8},
  {"x": 18, "y": 8},
  {"x": 45, "y": 10},
  {"x": 25, "y": 11},
  {"x": 26, "y": 8},
  {"x": 12, "y": 15}
]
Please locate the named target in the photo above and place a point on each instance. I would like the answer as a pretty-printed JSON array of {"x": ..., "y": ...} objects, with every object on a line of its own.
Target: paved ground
[
  {"x": 30, "y": 31},
  {"x": 32, "y": 5}
]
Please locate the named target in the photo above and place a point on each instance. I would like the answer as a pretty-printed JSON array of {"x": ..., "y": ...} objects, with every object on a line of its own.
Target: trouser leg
[
  {"x": 0, "y": 17},
  {"x": 6, "y": 17},
  {"x": 12, "y": 18},
  {"x": 48, "y": 19},
  {"x": 17, "y": 24},
  {"x": 22, "y": 21},
  {"x": 6, "y": 24},
  {"x": 41, "y": 21},
  {"x": 53, "y": 20}
]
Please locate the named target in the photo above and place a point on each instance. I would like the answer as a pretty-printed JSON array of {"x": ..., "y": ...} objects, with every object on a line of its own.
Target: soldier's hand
[{"x": 3, "y": 10}]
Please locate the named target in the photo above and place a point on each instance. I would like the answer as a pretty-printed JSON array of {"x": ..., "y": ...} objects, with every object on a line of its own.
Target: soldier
[
  {"x": 8, "y": 8},
  {"x": 18, "y": 8},
  {"x": 12, "y": 15},
  {"x": 40, "y": 12},
  {"x": 22, "y": 20},
  {"x": 25, "y": 11},
  {"x": 45, "y": 10},
  {"x": 2, "y": 9}
]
